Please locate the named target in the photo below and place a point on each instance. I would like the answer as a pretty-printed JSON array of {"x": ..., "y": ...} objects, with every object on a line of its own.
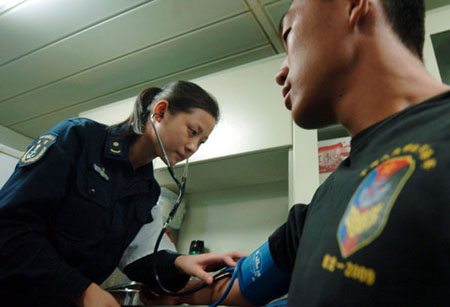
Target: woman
[{"x": 82, "y": 191}]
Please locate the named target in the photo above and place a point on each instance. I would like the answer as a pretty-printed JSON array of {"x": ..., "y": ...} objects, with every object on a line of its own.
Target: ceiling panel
[
  {"x": 265, "y": 2},
  {"x": 35, "y": 126},
  {"x": 136, "y": 29},
  {"x": 229, "y": 37},
  {"x": 9, "y": 5},
  {"x": 276, "y": 10},
  {"x": 31, "y": 25}
]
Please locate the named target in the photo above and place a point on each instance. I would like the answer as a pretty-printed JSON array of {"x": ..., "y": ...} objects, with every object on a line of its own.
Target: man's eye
[{"x": 285, "y": 35}]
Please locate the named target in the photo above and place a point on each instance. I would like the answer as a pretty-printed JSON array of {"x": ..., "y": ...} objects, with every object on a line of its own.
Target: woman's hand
[
  {"x": 200, "y": 265},
  {"x": 94, "y": 296}
]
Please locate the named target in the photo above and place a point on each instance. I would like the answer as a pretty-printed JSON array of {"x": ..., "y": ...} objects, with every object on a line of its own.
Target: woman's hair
[{"x": 183, "y": 96}]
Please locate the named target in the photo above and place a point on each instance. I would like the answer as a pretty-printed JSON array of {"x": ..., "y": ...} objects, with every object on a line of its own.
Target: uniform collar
[{"x": 118, "y": 143}]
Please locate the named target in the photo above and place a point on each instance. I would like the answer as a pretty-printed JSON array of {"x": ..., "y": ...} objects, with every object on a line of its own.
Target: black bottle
[{"x": 197, "y": 247}]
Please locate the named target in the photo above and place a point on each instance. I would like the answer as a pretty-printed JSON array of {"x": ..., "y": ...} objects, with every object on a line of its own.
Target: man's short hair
[{"x": 407, "y": 18}]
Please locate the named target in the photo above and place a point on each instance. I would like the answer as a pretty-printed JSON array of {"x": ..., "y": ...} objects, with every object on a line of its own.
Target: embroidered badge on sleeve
[{"x": 37, "y": 150}]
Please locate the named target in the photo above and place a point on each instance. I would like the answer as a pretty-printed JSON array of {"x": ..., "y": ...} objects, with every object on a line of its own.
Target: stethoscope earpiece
[{"x": 158, "y": 114}]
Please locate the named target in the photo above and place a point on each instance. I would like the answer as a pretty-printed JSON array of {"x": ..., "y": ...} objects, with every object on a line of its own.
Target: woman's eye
[{"x": 192, "y": 132}]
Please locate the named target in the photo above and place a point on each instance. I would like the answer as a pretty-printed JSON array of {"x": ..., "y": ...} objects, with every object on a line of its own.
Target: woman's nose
[
  {"x": 191, "y": 148},
  {"x": 281, "y": 76}
]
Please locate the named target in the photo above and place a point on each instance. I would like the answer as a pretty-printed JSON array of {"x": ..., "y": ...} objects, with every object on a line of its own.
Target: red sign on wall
[{"x": 332, "y": 153}]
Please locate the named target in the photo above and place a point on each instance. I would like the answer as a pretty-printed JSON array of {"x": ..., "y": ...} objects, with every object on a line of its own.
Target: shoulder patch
[{"x": 38, "y": 149}]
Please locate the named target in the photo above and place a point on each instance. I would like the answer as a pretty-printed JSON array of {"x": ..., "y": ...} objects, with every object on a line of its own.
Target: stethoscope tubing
[{"x": 181, "y": 189}]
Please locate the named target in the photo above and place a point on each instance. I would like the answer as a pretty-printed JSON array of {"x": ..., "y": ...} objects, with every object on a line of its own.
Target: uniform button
[{"x": 91, "y": 191}]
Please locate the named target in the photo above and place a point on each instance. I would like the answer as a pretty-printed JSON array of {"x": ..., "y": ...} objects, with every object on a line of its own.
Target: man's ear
[
  {"x": 358, "y": 10},
  {"x": 160, "y": 108}
]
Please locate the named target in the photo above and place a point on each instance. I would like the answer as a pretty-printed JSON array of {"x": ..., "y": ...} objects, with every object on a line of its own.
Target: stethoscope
[{"x": 181, "y": 189}]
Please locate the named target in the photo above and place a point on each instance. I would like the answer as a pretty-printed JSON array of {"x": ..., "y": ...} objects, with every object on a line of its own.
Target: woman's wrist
[{"x": 179, "y": 264}]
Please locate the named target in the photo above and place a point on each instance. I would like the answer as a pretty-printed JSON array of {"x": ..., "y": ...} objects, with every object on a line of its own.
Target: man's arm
[
  {"x": 206, "y": 296},
  {"x": 258, "y": 281}
]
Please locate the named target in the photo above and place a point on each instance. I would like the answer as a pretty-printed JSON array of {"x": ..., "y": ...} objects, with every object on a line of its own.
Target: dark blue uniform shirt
[{"x": 69, "y": 210}]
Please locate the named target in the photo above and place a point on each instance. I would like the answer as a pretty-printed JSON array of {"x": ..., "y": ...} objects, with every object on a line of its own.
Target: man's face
[{"x": 313, "y": 32}]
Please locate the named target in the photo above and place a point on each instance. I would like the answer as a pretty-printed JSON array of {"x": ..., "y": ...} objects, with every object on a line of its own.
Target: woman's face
[{"x": 182, "y": 133}]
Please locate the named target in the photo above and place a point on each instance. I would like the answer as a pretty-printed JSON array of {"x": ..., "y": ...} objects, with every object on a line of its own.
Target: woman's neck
[{"x": 141, "y": 152}]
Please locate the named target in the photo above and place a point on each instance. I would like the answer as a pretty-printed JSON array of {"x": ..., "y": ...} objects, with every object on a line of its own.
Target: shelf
[{"x": 231, "y": 172}]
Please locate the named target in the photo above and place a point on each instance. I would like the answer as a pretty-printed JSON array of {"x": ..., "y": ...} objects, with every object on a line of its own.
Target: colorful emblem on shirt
[
  {"x": 38, "y": 149},
  {"x": 368, "y": 210}
]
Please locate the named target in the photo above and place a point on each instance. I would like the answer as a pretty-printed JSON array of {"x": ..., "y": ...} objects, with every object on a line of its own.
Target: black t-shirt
[{"x": 377, "y": 231}]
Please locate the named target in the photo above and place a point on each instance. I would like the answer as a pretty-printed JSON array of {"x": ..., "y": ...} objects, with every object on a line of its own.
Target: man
[{"x": 376, "y": 232}]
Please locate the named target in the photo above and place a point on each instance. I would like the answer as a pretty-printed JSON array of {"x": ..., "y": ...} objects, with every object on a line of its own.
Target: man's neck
[{"x": 385, "y": 83}]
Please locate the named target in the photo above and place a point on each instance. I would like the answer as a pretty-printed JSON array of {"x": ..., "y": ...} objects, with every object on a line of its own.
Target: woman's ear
[
  {"x": 358, "y": 11},
  {"x": 160, "y": 108}
]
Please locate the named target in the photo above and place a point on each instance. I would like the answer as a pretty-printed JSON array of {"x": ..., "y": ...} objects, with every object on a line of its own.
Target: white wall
[
  {"x": 303, "y": 166},
  {"x": 235, "y": 219},
  {"x": 8, "y": 161},
  {"x": 13, "y": 139},
  {"x": 253, "y": 116}
]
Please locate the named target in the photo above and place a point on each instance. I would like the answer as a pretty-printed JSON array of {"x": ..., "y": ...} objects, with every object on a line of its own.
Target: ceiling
[
  {"x": 60, "y": 58},
  {"x": 432, "y": 4}
]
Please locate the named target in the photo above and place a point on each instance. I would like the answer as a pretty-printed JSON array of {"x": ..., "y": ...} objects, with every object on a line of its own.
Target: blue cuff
[{"x": 260, "y": 280}]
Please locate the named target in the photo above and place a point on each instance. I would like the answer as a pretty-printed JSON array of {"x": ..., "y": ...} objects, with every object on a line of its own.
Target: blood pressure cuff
[{"x": 260, "y": 280}]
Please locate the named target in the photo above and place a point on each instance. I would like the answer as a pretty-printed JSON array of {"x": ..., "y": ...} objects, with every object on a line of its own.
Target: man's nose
[{"x": 281, "y": 76}]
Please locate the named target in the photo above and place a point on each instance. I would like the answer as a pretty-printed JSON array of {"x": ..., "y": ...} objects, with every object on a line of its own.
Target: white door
[
  {"x": 8, "y": 161},
  {"x": 437, "y": 43}
]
